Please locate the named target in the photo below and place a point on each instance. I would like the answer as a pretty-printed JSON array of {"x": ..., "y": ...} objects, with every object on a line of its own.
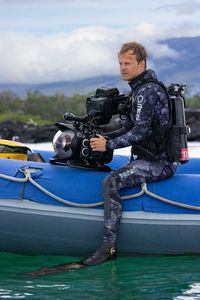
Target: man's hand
[{"x": 98, "y": 144}]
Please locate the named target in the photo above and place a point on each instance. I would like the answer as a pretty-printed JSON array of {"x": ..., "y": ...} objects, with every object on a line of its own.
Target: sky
[{"x": 62, "y": 40}]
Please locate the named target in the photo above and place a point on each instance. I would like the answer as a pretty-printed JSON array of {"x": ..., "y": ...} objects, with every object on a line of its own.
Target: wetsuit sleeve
[
  {"x": 146, "y": 100},
  {"x": 126, "y": 127}
]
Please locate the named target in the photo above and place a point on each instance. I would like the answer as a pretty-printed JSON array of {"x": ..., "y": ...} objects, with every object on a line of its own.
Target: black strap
[{"x": 161, "y": 84}]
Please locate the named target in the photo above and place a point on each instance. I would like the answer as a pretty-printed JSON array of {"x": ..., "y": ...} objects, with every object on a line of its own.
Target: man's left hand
[{"x": 98, "y": 143}]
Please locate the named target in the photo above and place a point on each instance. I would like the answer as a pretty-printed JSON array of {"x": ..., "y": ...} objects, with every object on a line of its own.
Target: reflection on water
[{"x": 192, "y": 293}]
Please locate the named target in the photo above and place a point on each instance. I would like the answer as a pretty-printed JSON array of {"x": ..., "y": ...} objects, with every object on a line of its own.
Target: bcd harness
[{"x": 171, "y": 138}]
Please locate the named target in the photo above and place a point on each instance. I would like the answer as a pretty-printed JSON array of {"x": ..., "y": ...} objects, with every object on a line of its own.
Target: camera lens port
[
  {"x": 85, "y": 152},
  {"x": 86, "y": 143}
]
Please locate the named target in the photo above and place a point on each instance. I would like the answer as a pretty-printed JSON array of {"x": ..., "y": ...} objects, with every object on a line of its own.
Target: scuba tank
[
  {"x": 178, "y": 131},
  {"x": 172, "y": 137}
]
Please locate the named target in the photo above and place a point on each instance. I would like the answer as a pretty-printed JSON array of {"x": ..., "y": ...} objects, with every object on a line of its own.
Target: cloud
[
  {"x": 63, "y": 56},
  {"x": 27, "y": 2},
  {"x": 81, "y": 53},
  {"x": 182, "y": 8}
]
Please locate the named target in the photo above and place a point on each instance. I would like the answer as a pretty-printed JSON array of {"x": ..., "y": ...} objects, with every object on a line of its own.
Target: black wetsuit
[{"x": 149, "y": 112}]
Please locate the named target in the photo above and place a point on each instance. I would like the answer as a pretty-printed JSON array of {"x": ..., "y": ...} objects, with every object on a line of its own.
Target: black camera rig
[
  {"x": 72, "y": 142},
  {"x": 104, "y": 104}
]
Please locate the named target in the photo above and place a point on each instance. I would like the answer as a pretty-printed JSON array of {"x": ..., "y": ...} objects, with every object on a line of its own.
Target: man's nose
[{"x": 123, "y": 67}]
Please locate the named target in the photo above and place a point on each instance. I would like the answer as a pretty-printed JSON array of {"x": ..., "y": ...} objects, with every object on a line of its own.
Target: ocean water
[
  {"x": 137, "y": 277},
  {"x": 141, "y": 277}
]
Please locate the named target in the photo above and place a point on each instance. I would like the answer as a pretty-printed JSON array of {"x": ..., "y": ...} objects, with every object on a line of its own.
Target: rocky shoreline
[
  {"x": 27, "y": 133},
  {"x": 30, "y": 133}
]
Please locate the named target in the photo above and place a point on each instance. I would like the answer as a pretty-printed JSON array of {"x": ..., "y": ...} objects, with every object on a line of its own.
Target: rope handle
[{"x": 144, "y": 190}]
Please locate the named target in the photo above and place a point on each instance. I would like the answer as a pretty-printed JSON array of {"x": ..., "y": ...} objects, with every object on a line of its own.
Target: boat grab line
[{"x": 144, "y": 190}]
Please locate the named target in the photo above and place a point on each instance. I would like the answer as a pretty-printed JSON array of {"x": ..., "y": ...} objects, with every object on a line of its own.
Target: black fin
[
  {"x": 54, "y": 269},
  {"x": 100, "y": 256}
]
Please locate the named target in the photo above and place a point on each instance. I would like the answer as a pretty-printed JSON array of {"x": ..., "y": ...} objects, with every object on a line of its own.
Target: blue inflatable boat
[{"x": 52, "y": 209}]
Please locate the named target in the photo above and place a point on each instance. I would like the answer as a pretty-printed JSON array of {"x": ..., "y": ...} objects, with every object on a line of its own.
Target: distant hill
[
  {"x": 68, "y": 88},
  {"x": 183, "y": 69},
  {"x": 186, "y": 67}
]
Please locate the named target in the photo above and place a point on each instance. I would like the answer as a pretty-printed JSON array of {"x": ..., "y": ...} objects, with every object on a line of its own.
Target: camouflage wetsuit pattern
[{"x": 149, "y": 111}]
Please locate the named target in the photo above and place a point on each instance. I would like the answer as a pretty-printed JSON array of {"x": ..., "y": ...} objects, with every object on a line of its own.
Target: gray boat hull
[{"x": 32, "y": 228}]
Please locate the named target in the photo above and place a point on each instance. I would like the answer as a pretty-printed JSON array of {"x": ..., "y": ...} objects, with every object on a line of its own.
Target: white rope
[
  {"x": 13, "y": 178},
  {"x": 28, "y": 177},
  {"x": 144, "y": 190},
  {"x": 144, "y": 187},
  {"x": 27, "y": 173}
]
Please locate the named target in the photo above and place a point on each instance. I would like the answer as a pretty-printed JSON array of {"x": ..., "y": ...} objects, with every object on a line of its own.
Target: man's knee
[
  {"x": 106, "y": 186},
  {"x": 110, "y": 188}
]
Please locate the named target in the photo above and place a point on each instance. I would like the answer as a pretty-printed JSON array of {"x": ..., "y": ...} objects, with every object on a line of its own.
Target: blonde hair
[{"x": 136, "y": 49}]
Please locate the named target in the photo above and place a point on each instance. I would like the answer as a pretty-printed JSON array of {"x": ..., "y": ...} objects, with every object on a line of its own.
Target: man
[{"x": 144, "y": 130}]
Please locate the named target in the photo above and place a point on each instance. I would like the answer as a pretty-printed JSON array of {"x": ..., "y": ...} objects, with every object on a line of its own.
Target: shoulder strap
[
  {"x": 161, "y": 84},
  {"x": 149, "y": 81}
]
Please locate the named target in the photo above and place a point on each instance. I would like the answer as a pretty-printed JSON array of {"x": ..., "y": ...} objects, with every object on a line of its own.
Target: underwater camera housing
[
  {"x": 106, "y": 103},
  {"x": 72, "y": 142}
]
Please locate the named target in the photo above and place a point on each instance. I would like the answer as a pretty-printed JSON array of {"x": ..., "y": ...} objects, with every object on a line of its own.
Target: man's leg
[{"x": 130, "y": 175}]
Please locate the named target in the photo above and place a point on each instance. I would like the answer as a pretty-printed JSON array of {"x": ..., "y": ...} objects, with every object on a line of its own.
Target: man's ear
[{"x": 142, "y": 65}]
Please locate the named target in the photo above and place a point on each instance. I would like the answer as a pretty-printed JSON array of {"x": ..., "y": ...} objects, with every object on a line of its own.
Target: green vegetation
[
  {"x": 40, "y": 109},
  {"x": 193, "y": 102}
]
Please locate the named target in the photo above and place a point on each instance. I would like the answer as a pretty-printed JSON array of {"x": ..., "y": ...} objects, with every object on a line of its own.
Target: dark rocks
[
  {"x": 193, "y": 121},
  {"x": 27, "y": 133},
  {"x": 30, "y": 133}
]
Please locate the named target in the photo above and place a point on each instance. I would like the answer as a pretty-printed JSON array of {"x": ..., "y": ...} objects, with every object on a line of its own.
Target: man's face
[{"x": 129, "y": 67}]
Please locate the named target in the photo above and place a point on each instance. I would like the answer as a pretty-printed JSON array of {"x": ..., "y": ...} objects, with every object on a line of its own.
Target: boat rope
[
  {"x": 88, "y": 205},
  {"x": 180, "y": 204},
  {"x": 144, "y": 190},
  {"x": 13, "y": 178}
]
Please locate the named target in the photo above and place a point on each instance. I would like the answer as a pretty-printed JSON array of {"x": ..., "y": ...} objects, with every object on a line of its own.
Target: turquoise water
[{"x": 137, "y": 277}]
